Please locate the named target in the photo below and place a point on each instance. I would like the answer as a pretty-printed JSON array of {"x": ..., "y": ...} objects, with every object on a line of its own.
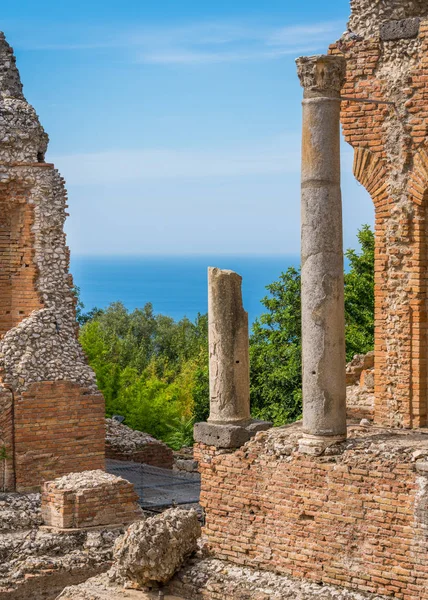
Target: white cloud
[
  {"x": 277, "y": 156},
  {"x": 192, "y": 43},
  {"x": 195, "y": 57}
]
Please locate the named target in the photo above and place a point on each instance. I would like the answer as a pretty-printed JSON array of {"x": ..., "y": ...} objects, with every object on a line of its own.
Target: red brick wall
[
  {"x": 392, "y": 163},
  {"x": 59, "y": 428},
  {"x": 110, "y": 503},
  {"x": 156, "y": 455},
  {"x": 357, "y": 520},
  {"x": 18, "y": 272}
]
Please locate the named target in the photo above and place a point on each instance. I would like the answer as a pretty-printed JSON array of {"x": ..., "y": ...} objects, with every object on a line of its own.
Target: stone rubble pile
[
  {"x": 154, "y": 549},
  {"x": 30, "y": 555},
  {"x": 126, "y": 440},
  {"x": 224, "y": 580},
  {"x": 19, "y": 512},
  {"x": 85, "y": 480}
]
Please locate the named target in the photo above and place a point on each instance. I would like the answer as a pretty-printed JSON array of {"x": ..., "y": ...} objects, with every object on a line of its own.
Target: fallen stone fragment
[{"x": 154, "y": 549}]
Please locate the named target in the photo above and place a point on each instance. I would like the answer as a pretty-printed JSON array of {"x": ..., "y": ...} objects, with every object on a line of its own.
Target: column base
[
  {"x": 228, "y": 435},
  {"x": 315, "y": 445}
]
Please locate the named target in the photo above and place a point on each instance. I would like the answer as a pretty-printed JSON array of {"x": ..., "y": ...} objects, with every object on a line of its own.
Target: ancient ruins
[
  {"x": 51, "y": 413},
  {"x": 318, "y": 500},
  {"x": 334, "y": 506}
]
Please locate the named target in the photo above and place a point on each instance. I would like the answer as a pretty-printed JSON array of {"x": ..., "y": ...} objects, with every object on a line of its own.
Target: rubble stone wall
[
  {"x": 126, "y": 444},
  {"x": 367, "y": 15},
  {"x": 357, "y": 519},
  {"x": 7, "y": 471},
  {"x": 391, "y": 161}
]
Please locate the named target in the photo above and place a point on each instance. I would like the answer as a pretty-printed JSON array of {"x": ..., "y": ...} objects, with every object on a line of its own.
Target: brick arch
[
  {"x": 370, "y": 170},
  {"x": 418, "y": 179}
]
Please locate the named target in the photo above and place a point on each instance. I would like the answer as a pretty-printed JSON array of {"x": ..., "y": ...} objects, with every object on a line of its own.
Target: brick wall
[
  {"x": 89, "y": 499},
  {"x": 156, "y": 455},
  {"x": 18, "y": 295},
  {"x": 357, "y": 520},
  {"x": 59, "y": 428},
  {"x": 392, "y": 163}
]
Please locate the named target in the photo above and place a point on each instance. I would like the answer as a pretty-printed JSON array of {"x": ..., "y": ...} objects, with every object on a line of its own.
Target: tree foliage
[
  {"x": 275, "y": 350},
  {"x": 154, "y": 370},
  {"x": 149, "y": 367},
  {"x": 359, "y": 296}
]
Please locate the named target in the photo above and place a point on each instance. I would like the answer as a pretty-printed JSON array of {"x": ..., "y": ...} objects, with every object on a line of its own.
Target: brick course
[
  {"x": 356, "y": 520},
  {"x": 154, "y": 454},
  {"x": 91, "y": 499},
  {"x": 59, "y": 429}
]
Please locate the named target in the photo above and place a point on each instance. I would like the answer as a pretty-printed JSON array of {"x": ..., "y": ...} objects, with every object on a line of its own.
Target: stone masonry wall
[
  {"x": 392, "y": 163},
  {"x": 38, "y": 334},
  {"x": 357, "y": 519}
]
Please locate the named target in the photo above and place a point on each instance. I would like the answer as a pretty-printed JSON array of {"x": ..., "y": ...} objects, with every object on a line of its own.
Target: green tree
[
  {"x": 275, "y": 345},
  {"x": 275, "y": 353},
  {"x": 359, "y": 295}
]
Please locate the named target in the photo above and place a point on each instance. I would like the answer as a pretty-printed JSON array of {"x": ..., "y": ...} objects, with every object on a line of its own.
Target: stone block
[
  {"x": 221, "y": 436},
  {"x": 400, "y": 30},
  {"x": 228, "y": 436},
  {"x": 89, "y": 499},
  {"x": 255, "y": 426}
]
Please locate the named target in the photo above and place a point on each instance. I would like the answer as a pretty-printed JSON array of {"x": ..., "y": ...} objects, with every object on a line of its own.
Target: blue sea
[{"x": 175, "y": 285}]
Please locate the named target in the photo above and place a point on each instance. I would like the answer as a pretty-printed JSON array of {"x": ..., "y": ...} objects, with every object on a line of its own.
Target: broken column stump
[
  {"x": 89, "y": 499},
  {"x": 229, "y": 424}
]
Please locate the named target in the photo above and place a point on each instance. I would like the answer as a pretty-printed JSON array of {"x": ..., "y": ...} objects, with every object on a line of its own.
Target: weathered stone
[
  {"x": 255, "y": 426},
  {"x": 221, "y": 436},
  {"x": 369, "y": 16},
  {"x": 228, "y": 436},
  {"x": 399, "y": 30},
  {"x": 154, "y": 549},
  {"x": 228, "y": 349},
  {"x": 323, "y": 324},
  {"x": 422, "y": 466}
]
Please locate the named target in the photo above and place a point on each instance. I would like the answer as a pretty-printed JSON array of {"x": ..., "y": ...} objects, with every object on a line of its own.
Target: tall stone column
[
  {"x": 229, "y": 424},
  {"x": 323, "y": 323},
  {"x": 228, "y": 349}
]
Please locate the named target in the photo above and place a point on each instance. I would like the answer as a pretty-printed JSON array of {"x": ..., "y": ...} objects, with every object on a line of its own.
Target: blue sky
[{"x": 176, "y": 124}]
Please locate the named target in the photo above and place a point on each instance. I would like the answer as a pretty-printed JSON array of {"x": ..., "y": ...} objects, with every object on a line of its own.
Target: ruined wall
[
  {"x": 356, "y": 519},
  {"x": 392, "y": 163},
  {"x": 90, "y": 499},
  {"x": 59, "y": 429},
  {"x": 38, "y": 341},
  {"x": 368, "y": 15},
  {"x": 126, "y": 444}
]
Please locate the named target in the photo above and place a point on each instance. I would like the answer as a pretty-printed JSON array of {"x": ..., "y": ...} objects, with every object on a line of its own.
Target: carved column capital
[{"x": 321, "y": 75}]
